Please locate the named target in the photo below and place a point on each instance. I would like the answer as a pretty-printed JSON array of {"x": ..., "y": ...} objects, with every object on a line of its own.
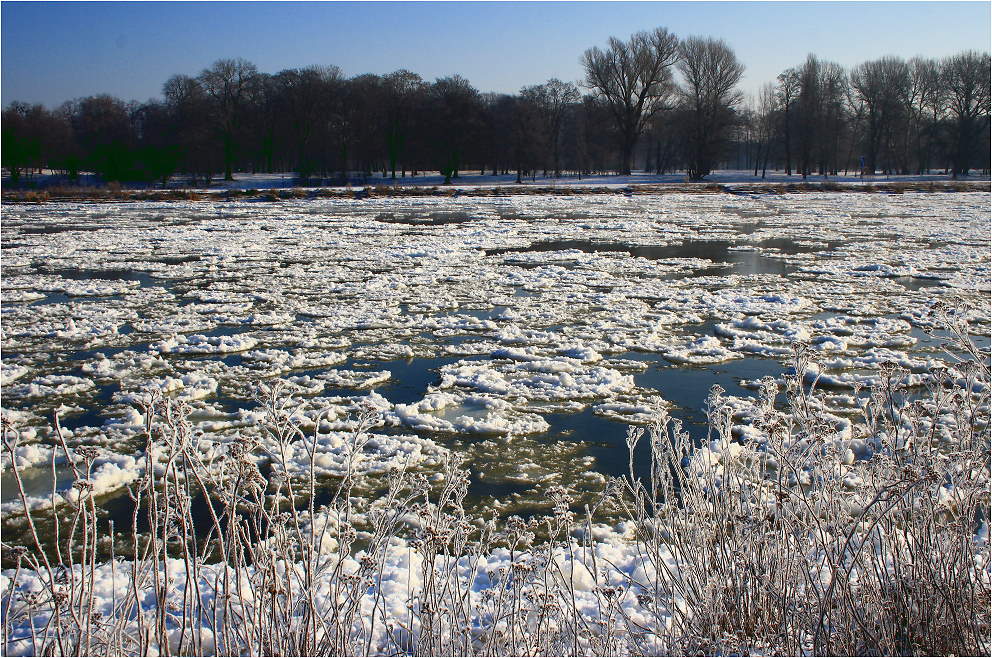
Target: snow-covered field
[{"x": 522, "y": 333}]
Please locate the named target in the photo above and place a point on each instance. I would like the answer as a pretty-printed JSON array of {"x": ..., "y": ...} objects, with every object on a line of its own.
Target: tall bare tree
[
  {"x": 456, "y": 113},
  {"x": 635, "y": 79},
  {"x": 551, "y": 100},
  {"x": 402, "y": 90},
  {"x": 710, "y": 73},
  {"x": 103, "y": 128},
  {"x": 788, "y": 97},
  {"x": 809, "y": 117},
  {"x": 229, "y": 84},
  {"x": 526, "y": 134},
  {"x": 189, "y": 108},
  {"x": 833, "y": 84},
  {"x": 21, "y": 144},
  {"x": 883, "y": 85},
  {"x": 966, "y": 78},
  {"x": 303, "y": 102},
  {"x": 927, "y": 102},
  {"x": 765, "y": 120}
]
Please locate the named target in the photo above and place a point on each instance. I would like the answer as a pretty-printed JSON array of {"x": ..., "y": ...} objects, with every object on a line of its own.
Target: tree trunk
[
  {"x": 228, "y": 158},
  {"x": 788, "y": 146},
  {"x": 625, "y": 155}
]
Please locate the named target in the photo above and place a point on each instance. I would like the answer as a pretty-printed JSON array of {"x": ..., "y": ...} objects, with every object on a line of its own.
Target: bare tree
[
  {"x": 765, "y": 119},
  {"x": 189, "y": 108},
  {"x": 525, "y": 135},
  {"x": 635, "y": 79},
  {"x": 456, "y": 106},
  {"x": 366, "y": 101},
  {"x": 883, "y": 85},
  {"x": 103, "y": 128},
  {"x": 788, "y": 97},
  {"x": 303, "y": 95},
  {"x": 812, "y": 99},
  {"x": 833, "y": 85},
  {"x": 21, "y": 143},
  {"x": 810, "y": 103},
  {"x": 402, "y": 90},
  {"x": 966, "y": 79},
  {"x": 551, "y": 100},
  {"x": 228, "y": 83},
  {"x": 927, "y": 102},
  {"x": 710, "y": 72}
]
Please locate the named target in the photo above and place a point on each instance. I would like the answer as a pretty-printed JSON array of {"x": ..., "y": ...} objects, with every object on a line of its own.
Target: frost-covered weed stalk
[{"x": 781, "y": 534}]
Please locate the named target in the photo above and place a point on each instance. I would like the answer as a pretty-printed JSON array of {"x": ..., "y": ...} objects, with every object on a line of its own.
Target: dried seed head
[
  {"x": 88, "y": 453},
  {"x": 82, "y": 485}
]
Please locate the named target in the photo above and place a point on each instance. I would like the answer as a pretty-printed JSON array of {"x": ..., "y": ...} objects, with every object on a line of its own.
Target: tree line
[{"x": 653, "y": 101}]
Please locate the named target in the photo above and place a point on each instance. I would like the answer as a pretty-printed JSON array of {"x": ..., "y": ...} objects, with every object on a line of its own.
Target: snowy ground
[{"x": 521, "y": 332}]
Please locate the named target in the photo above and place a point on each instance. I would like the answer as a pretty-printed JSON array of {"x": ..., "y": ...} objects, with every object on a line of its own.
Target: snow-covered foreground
[
  {"x": 274, "y": 349},
  {"x": 529, "y": 328}
]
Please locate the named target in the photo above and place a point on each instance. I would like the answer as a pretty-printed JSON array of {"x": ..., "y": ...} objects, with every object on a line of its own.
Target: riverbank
[{"x": 111, "y": 194}]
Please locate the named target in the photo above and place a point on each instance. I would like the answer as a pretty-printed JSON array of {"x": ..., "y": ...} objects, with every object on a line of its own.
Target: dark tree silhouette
[
  {"x": 788, "y": 98},
  {"x": 403, "y": 93},
  {"x": 634, "y": 77},
  {"x": 21, "y": 141},
  {"x": 191, "y": 126},
  {"x": 550, "y": 102},
  {"x": 456, "y": 113},
  {"x": 919, "y": 115},
  {"x": 966, "y": 78},
  {"x": 302, "y": 102},
  {"x": 229, "y": 84},
  {"x": 709, "y": 95},
  {"x": 883, "y": 85}
]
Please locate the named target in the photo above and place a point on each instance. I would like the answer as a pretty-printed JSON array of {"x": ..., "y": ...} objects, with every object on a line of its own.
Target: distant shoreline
[{"x": 101, "y": 195}]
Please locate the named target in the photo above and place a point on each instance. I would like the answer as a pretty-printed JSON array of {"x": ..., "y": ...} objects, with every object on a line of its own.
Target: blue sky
[{"x": 53, "y": 52}]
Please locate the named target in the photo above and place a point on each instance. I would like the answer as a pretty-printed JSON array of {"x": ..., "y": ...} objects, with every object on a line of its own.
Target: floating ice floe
[
  {"x": 334, "y": 453},
  {"x": 13, "y": 296},
  {"x": 126, "y": 365},
  {"x": 10, "y": 371},
  {"x": 200, "y": 344},
  {"x": 51, "y": 385},
  {"x": 275, "y": 361},
  {"x": 536, "y": 378},
  {"x": 453, "y": 413},
  {"x": 108, "y": 472}
]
